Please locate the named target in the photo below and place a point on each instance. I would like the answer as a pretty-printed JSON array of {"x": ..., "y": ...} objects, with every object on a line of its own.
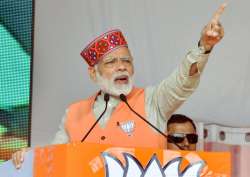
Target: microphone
[
  {"x": 124, "y": 99},
  {"x": 106, "y": 99}
]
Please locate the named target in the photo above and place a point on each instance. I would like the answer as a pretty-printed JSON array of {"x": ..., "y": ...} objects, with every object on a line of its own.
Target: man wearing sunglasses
[{"x": 181, "y": 132}]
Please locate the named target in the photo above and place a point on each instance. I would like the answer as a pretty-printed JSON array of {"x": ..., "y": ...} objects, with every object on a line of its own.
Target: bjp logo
[{"x": 133, "y": 168}]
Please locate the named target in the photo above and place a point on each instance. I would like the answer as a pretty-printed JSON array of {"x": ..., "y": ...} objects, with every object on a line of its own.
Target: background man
[{"x": 181, "y": 132}]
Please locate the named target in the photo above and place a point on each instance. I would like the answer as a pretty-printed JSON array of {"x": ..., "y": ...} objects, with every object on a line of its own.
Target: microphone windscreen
[
  {"x": 106, "y": 97},
  {"x": 123, "y": 97}
]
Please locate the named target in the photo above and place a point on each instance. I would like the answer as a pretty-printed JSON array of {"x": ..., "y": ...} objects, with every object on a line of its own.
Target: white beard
[{"x": 109, "y": 86}]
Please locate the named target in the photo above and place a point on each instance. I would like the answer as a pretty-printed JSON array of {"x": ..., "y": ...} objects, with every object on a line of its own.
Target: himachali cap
[{"x": 103, "y": 45}]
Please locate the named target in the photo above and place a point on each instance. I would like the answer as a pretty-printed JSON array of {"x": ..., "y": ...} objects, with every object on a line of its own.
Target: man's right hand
[
  {"x": 18, "y": 157},
  {"x": 213, "y": 32}
]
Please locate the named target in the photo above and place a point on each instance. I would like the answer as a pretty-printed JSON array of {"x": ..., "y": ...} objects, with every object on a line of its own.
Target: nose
[
  {"x": 185, "y": 143},
  {"x": 121, "y": 66}
]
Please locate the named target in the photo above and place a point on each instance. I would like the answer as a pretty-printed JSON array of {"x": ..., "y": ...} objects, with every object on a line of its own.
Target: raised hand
[{"x": 213, "y": 32}]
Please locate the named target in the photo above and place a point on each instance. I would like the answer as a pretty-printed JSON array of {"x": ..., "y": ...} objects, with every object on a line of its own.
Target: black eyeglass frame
[{"x": 179, "y": 138}]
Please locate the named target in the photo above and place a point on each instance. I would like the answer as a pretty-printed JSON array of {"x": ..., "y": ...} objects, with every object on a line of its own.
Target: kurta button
[{"x": 103, "y": 137}]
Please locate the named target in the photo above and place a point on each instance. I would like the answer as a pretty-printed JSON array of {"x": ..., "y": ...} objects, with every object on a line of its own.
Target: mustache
[{"x": 119, "y": 74}]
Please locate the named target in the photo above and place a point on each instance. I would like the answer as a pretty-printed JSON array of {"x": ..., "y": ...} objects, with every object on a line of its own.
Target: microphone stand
[
  {"x": 106, "y": 98},
  {"x": 124, "y": 99}
]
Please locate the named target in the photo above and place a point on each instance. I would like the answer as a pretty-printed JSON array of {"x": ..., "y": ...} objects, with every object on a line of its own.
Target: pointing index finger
[{"x": 218, "y": 13}]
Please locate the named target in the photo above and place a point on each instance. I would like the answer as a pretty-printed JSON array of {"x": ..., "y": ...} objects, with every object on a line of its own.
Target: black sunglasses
[{"x": 179, "y": 138}]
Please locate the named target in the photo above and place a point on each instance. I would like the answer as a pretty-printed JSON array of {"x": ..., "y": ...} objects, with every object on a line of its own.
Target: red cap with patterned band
[{"x": 103, "y": 45}]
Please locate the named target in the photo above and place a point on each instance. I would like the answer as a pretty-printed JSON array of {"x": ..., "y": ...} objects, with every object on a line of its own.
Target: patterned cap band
[{"x": 103, "y": 45}]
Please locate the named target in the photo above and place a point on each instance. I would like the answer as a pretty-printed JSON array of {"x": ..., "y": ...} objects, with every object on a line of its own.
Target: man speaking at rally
[
  {"x": 111, "y": 67},
  {"x": 122, "y": 114}
]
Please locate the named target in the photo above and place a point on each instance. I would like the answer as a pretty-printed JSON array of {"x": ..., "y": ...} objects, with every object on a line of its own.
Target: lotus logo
[
  {"x": 133, "y": 168},
  {"x": 128, "y": 127}
]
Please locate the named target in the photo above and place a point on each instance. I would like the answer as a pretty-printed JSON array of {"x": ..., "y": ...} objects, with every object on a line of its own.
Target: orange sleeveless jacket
[{"x": 80, "y": 118}]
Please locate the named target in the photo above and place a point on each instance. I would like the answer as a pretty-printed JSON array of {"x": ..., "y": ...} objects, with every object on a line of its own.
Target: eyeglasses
[{"x": 179, "y": 138}]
